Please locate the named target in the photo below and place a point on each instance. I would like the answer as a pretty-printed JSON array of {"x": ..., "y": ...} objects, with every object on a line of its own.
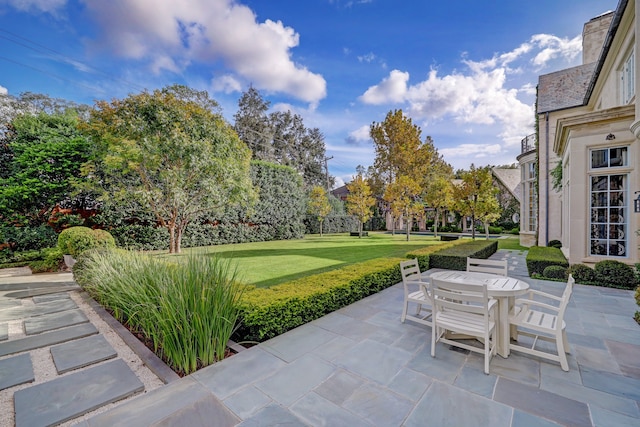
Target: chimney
[{"x": 593, "y": 36}]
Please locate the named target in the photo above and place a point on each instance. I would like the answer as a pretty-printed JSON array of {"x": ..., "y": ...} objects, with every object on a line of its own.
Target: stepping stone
[
  {"x": 37, "y": 310},
  {"x": 37, "y": 292},
  {"x": 35, "y": 285},
  {"x": 79, "y": 353},
  {"x": 4, "y": 331},
  {"x": 38, "y": 299},
  {"x": 47, "y": 339},
  {"x": 16, "y": 370},
  {"x": 8, "y": 303},
  {"x": 48, "y": 322},
  {"x": 67, "y": 397}
]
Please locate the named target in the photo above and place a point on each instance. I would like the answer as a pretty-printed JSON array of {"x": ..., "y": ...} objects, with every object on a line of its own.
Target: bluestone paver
[
  {"x": 67, "y": 397},
  {"x": 273, "y": 415},
  {"x": 36, "y": 310},
  {"x": 315, "y": 410},
  {"x": 378, "y": 405},
  {"x": 4, "y": 331},
  {"x": 49, "y": 322},
  {"x": 47, "y": 338},
  {"x": 618, "y": 385},
  {"x": 16, "y": 370},
  {"x": 298, "y": 342},
  {"x": 83, "y": 352},
  {"x": 374, "y": 361},
  {"x": 39, "y": 299}
]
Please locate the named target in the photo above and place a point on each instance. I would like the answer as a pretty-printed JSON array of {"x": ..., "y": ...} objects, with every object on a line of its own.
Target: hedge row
[
  {"x": 268, "y": 312},
  {"x": 541, "y": 257},
  {"x": 455, "y": 257}
]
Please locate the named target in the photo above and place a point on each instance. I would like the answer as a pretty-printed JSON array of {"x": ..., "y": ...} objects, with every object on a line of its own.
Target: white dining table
[{"x": 503, "y": 289}]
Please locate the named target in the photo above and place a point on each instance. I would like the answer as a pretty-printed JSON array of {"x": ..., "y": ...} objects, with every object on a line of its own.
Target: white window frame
[{"x": 627, "y": 79}]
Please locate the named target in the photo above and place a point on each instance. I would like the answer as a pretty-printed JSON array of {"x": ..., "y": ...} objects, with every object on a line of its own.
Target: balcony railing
[{"x": 528, "y": 143}]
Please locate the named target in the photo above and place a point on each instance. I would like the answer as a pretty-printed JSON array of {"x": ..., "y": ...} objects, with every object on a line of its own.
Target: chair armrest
[
  {"x": 529, "y": 302},
  {"x": 533, "y": 292}
]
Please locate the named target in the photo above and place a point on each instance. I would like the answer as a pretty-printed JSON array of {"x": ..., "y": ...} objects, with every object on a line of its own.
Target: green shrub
[
  {"x": 637, "y": 315},
  {"x": 515, "y": 230},
  {"x": 455, "y": 257},
  {"x": 615, "y": 274},
  {"x": 268, "y": 312},
  {"x": 540, "y": 257},
  {"x": 27, "y": 238},
  {"x": 188, "y": 310},
  {"x": 495, "y": 230},
  {"x": 423, "y": 254},
  {"x": 583, "y": 274},
  {"x": 556, "y": 272},
  {"x": 52, "y": 258},
  {"x": 75, "y": 240},
  {"x": 555, "y": 244}
]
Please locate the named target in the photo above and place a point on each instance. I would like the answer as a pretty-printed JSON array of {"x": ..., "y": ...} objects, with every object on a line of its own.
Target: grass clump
[{"x": 187, "y": 310}]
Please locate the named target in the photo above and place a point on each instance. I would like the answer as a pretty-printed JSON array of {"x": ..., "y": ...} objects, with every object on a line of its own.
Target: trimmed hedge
[
  {"x": 423, "y": 254},
  {"x": 615, "y": 274},
  {"x": 75, "y": 240},
  {"x": 268, "y": 312},
  {"x": 541, "y": 257},
  {"x": 583, "y": 274},
  {"x": 556, "y": 272},
  {"x": 455, "y": 257}
]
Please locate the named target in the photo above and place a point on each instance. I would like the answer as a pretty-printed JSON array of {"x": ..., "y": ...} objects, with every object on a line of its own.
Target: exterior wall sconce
[
  {"x": 610, "y": 137},
  {"x": 636, "y": 203}
]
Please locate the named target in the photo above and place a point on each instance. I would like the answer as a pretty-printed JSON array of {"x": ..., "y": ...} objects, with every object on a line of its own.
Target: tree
[
  {"x": 439, "y": 196},
  {"x": 43, "y": 154},
  {"x": 488, "y": 209},
  {"x": 253, "y": 125},
  {"x": 360, "y": 201},
  {"x": 474, "y": 190},
  {"x": 401, "y": 194},
  {"x": 173, "y": 152},
  {"x": 319, "y": 204}
]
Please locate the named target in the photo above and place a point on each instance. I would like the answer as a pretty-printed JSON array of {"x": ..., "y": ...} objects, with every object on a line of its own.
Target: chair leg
[
  {"x": 404, "y": 311},
  {"x": 434, "y": 332},
  {"x": 487, "y": 352},
  {"x": 565, "y": 342},
  {"x": 418, "y": 309},
  {"x": 561, "y": 354}
]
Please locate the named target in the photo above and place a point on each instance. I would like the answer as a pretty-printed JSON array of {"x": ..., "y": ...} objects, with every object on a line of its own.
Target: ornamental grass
[{"x": 187, "y": 310}]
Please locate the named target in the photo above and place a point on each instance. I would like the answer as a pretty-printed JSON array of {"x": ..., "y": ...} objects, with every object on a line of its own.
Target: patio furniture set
[{"x": 483, "y": 303}]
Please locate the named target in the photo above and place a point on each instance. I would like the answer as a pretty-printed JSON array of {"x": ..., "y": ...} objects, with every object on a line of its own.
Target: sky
[{"x": 464, "y": 71}]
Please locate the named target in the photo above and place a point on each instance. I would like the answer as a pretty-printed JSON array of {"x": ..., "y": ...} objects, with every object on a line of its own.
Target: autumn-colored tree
[
  {"x": 439, "y": 196},
  {"x": 401, "y": 194},
  {"x": 319, "y": 204},
  {"x": 473, "y": 193},
  {"x": 488, "y": 209},
  {"x": 360, "y": 200},
  {"x": 173, "y": 152}
]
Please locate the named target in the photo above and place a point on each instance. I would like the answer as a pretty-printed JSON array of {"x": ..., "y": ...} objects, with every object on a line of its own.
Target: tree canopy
[
  {"x": 360, "y": 200},
  {"x": 475, "y": 195},
  {"x": 173, "y": 152},
  {"x": 319, "y": 204}
]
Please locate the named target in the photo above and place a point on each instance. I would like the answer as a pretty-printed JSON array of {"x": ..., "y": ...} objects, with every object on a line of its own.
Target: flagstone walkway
[{"x": 358, "y": 366}]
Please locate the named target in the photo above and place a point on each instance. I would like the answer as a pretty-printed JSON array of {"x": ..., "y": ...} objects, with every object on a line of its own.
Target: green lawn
[
  {"x": 266, "y": 264},
  {"x": 511, "y": 243}
]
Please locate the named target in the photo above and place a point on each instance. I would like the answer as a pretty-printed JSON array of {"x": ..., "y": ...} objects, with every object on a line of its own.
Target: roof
[
  {"x": 510, "y": 178},
  {"x": 565, "y": 88}
]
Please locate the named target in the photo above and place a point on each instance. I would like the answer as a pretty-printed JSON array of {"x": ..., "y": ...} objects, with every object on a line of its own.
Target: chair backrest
[
  {"x": 487, "y": 266},
  {"x": 463, "y": 297},
  {"x": 566, "y": 295},
  {"x": 410, "y": 270}
]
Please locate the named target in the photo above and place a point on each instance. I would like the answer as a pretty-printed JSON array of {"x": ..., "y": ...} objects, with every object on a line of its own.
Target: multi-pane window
[
  {"x": 530, "y": 222},
  {"x": 627, "y": 84},
  {"x": 609, "y": 157},
  {"x": 609, "y": 215}
]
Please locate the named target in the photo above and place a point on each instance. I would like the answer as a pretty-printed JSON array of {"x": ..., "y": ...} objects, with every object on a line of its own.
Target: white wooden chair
[
  {"x": 545, "y": 324},
  {"x": 464, "y": 309},
  {"x": 416, "y": 291},
  {"x": 487, "y": 266}
]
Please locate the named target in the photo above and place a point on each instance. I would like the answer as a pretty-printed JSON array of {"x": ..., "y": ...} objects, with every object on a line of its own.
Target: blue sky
[{"x": 464, "y": 71}]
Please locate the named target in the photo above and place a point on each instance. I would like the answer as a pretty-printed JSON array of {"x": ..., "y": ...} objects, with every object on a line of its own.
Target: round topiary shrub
[
  {"x": 555, "y": 272},
  {"x": 615, "y": 274},
  {"x": 75, "y": 240},
  {"x": 582, "y": 273},
  {"x": 555, "y": 244}
]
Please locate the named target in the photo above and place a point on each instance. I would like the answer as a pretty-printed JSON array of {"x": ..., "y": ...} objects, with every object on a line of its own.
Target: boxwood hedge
[{"x": 541, "y": 257}]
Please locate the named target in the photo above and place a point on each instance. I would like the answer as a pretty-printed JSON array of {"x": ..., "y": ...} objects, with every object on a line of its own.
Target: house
[{"x": 588, "y": 125}]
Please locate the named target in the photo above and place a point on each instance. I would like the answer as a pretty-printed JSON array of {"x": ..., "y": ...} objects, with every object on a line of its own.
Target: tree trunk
[
  {"x": 393, "y": 225},
  {"x": 486, "y": 229},
  {"x": 435, "y": 224},
  {"x": 409, "y": 222},
  {"x": 473, "y": 226},
  {"x": 178, "y": 242},
  {"x": 320, "y": 227},
  {"x": 360, "y": 231},
  {"x": 172, "y": 237}
]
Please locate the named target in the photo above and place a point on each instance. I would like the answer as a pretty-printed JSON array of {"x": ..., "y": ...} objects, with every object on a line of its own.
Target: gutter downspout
[{"x": 546, "y": 172}]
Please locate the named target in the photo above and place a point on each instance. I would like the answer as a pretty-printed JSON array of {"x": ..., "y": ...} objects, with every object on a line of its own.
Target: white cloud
[
  {"x": 472, "y": 150},
  {"x": 47, "y": 6},
  {"x": 369, "y": 57},
  {"x": 226, "y": 84},
  {"x": 553, "y": 47},
  {"x": 359, "y": 135},
  {"x": 391, "y": 89},
  {"x": 171, "y": 36}
]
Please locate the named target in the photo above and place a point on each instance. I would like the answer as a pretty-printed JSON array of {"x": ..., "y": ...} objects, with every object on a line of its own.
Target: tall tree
[
  {"x": 171, "y": 150},
  {"x": 253, "y": 125},
  {"x": 360, "y": 200},
  {"x": 43, "y": 154},
  {"x": 401, "y": 194},
  {"x": 439, "y": 196},
  {"x": 470, "y": 194},
  {"x": 319, "y": 204}
]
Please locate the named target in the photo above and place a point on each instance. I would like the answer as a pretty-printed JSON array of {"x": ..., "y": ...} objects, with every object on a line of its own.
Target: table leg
[{"x": 503, "y": 331}]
